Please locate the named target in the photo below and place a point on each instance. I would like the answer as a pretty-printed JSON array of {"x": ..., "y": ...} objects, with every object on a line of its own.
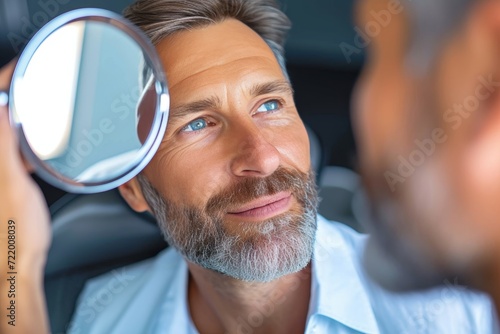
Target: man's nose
[{"x": 254, "y": 153}]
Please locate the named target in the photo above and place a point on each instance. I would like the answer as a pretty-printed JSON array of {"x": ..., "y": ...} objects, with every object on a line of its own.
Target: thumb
[{"x": 11, "y": 160}]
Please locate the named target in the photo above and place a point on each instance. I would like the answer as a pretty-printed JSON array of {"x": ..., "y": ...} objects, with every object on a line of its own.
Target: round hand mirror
[{"x": 89, "y": 100}]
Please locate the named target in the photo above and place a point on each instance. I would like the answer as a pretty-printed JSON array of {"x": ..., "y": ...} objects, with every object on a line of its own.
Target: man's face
[
  {"x": 423, "y": 141},
  {"x": 231, "y": 180}
]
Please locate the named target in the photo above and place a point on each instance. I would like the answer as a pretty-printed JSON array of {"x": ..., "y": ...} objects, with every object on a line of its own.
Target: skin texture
[
  {"x": 239, "y": 143},
  {"x": 448, "y": 207},
  {"x": 226, "y": 62},
  {"x": 32, "y": 231}
]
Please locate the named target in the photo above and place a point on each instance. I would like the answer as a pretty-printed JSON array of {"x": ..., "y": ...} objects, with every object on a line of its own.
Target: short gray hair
[
  {"x": 432, "y": 21},
  {"x": 161, "y": 18}
]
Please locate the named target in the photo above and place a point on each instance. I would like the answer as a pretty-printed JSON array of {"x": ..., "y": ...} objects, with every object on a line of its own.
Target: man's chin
[
  {"x": 263, "y": 251},
  {"x": 265, "y": 271}
]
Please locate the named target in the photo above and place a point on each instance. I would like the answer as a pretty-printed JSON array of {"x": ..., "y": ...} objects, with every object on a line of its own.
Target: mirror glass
[{"x": 90, "y": 102}]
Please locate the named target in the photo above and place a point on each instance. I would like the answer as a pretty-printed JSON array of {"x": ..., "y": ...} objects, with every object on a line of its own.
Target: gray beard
[{"x": 259, "y": 252}]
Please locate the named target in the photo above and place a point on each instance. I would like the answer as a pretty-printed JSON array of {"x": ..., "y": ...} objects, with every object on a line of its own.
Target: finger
[
  {"x": 9, "y": 145},
  {"x": 27, "y": 165},
  {"x": 11, "y": 162},
  {"x": 5, "y": 79},
  {"x": 6, "y": 74}
]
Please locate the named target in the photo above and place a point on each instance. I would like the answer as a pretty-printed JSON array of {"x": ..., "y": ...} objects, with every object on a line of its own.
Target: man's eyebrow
[
  {"x": 181, "y": 111},
  {"x": 214, "y": 103},
  {"x": 272, "y": 87}
]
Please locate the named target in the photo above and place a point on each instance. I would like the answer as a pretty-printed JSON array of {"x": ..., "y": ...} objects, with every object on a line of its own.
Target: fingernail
[{"x": 4, "y": 99}]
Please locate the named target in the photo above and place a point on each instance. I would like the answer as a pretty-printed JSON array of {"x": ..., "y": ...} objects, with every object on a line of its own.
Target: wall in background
[
  {"x": 320, "y": 29},
  {"x": 56, "y": 7},
  {"x": 319, "y": 26}
]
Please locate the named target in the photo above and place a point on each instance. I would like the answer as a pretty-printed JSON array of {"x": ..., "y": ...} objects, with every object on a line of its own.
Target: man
[
  {"x": 427, "y": 118},
  {"x": 233, "y": 193}
]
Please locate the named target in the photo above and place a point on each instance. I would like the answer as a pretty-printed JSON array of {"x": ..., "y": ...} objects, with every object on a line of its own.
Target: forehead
[
  {"x": 215, "y": 54},
  {"x": 430, "y": 23}
]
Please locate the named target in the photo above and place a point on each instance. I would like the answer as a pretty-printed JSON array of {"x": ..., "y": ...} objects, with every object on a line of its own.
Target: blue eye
[
  {"x": 272, "y": 105},
  {"x": 196, "y": 125}
]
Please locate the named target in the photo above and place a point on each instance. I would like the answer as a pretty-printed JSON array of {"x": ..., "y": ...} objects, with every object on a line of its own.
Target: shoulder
[
  {"x": 336, "y": 236},
  {"x": 165, "y": 263},
  {"x": 118, "y": 297},
  {"x": 339, "y": 271},
  {"x": 430, "y": 310}
]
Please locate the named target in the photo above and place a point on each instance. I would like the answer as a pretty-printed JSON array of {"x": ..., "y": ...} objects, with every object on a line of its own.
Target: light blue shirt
[{"x": 151, "y": 297}]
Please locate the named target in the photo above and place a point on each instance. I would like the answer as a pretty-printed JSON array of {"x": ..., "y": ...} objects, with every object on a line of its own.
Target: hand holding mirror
[{"x": 89, "y": 100}]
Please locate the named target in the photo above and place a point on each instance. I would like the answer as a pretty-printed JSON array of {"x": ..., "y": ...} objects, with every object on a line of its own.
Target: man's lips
[{"x": 264, "y": 207}]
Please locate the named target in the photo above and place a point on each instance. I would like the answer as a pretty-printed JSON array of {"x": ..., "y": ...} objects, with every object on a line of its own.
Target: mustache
[{"x": 251, "y": 188}]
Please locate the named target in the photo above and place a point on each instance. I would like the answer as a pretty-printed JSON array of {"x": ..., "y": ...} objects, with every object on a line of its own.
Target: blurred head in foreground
[{"x": 427, "y": 118}]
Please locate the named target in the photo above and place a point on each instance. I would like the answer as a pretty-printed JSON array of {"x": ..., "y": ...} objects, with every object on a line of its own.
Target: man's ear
[
  {"x": 132, "y": 194},
  {"x": 484, "y": 153}
]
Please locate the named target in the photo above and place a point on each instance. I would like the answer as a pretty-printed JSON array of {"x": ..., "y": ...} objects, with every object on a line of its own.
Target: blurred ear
[
  {"x": 484, "y": 155},
  {"x": 132, "y": 194},
  {"x": 483, "y": 158}
]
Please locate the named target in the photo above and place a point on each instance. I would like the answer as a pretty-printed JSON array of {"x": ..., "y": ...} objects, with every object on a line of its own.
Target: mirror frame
[{"x": 150, "y": 146}]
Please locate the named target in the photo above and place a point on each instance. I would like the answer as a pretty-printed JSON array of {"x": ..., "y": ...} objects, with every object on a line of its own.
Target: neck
[
  {"x": 221, "y": 304},
  {"x": 492, "y": 287},
  {"x": 485, "y": 278}
]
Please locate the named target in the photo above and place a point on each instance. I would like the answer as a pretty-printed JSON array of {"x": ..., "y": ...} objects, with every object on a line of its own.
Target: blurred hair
[
  {"x": 432, "y": 21},
  {"x": 161, "y": 18}
]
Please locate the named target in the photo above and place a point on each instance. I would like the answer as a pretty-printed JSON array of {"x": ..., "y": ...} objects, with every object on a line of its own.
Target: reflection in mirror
[{"x": 78, "y": 101}]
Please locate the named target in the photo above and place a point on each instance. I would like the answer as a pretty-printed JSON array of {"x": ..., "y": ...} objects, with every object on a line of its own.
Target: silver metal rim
[{"x": 147, "y": 151}]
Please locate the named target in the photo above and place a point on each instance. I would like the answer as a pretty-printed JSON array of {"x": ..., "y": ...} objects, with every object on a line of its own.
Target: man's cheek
[
  {"x": 200, "y": 189},
  {"x": 294, "y": 149}
]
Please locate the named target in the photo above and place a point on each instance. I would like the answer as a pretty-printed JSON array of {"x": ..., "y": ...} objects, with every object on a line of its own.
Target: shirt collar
[{"x": 339, "y": 286}]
